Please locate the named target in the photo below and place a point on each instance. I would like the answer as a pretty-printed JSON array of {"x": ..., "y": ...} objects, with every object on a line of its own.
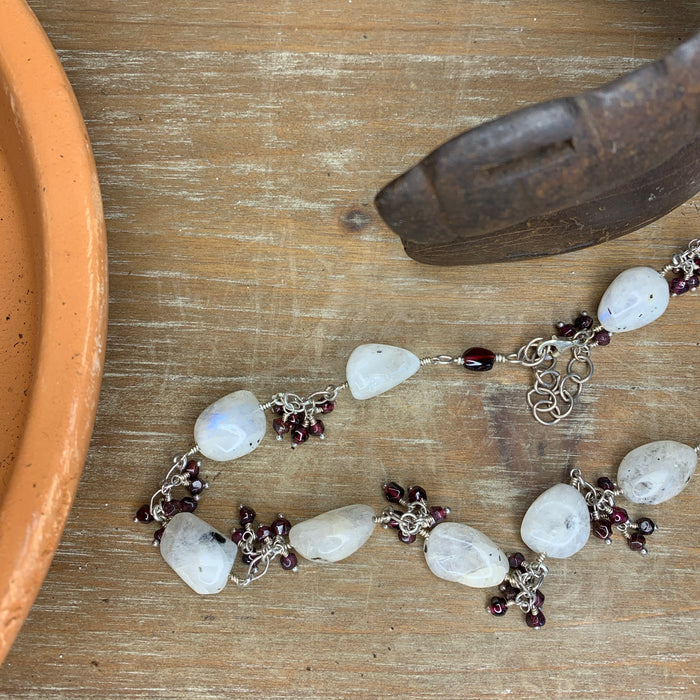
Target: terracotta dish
[{"x": 53, "y": 307}]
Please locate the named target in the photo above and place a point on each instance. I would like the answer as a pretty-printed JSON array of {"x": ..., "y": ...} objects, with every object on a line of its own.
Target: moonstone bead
[
  {"x": 462, "y": 554},
  {"x": 635, "y": 298},
  {"x": 373, "y": 369},
  {"x": 231, "y": 427},
  {"x": 334, "y": 535},
  {"x": 199, "y": 555},
  {"x": 557, "y": 523},
  {"x": 657, "y": 471}
]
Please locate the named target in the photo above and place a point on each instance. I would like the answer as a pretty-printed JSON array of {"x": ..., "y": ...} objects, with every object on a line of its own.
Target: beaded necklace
[{"x": 556, "y": 525}]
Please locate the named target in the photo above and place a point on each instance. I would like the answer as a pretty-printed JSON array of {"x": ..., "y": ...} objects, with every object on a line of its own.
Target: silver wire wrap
[
  {"x": 528, "y": 578},
  {"x": 173, "y": 479}
]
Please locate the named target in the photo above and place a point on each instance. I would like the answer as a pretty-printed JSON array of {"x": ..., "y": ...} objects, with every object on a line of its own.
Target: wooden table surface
[{"x": 239, "y": 146}]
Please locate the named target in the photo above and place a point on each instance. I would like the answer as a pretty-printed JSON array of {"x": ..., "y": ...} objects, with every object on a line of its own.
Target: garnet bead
[
  {"x": 327, "y": 406},
  {"x": 289, "y": 561},
  {"x": 295, "y": 419},
  {"x": 678, "y": 285},
  {"x": 693, "y": 282},
  {"x": 478, "y": 359},
  {"x": 509, "y": 591},
  {"x": 281, "y": 526},
  {"x": 516, "y": 560},
  {"x": 535, "y": 619},
  {"x": 188, "y": 504},
  {"x": 565, "y": 330},
  {"x": 171, "y": 508},
  {"x": 602, "y": 337},
  {"x": 247, "y": 558},
  {"x": 317, "y": 428},
  {"x": 247, "y": 515},
  {"x": 583, "y": 322},
  {"x": 393, "y": 492},
  {"x": 406, "y": 538},
  {"x": 498, "y": 606},
  {"x": 618, "y": 515},
  {"x": 646, "y": 526},
  {"x": 299, "y": 435},
  {"x": 416, "y": 493},
  {"x": 438, "y": 513},
  {"x": 143, "y": 515},
  {"x": 602, "y": 529},
  {"x": 605, "y": 483},
  {"x": 263, "y": 532},
  {"x": 196, "y": 486},
  {"x": 280, "y": 426},
  {"x": 192, "y": 468},
  {"x": 636, "y": 542},
  {"x": 539, "y": 599},
  {"x": 237, "y": 536},
  {"x": 158, "y": 535}
]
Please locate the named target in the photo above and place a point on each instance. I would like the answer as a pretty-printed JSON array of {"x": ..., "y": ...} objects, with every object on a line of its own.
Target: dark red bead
[
  {"x": 618, "y": 516},
  {"x": 299, "y": 435},
  {"x": 583, "y": 322},
  {"x": 565, "y": 330},
  {"x": 515, "y": 560},
  {"x": 143, "y": 514},
  {"x": 289, "y": 561},
  {"x": 416, "y": 493},
  {"x": 602, "y": 337},
  {"x": 237, "y": 536},
  {"x": 605, "y": 483},
  {"x": 646, "y": 526},
  {"x": 281, "y": 526},
  {"x": 295, "y": 419},
  {"x": 317, "y": 428},
  {"x": 498, "y": 606},
  {"x": 280, "y": 426},
  {"x": 278, "y": 409},
  {"x": 393, "y": 492},
  {"x": 636, "y": 542},
  {"x": 535, "y": 619},
  {"x": 395, "y": 520},
  {"x": 247, "y": 558},
  {"x": 439, "y": 514},
  {"x": 192, "y": 468},
  {"x": 188, "y": 504},
  {"x": 693, "y": 282},
  {"x": 171, "y": 508},
  {"x": 196, "y": 486},
  {"x": 539, "y": 599},
  {"x": 678, "y": 285},
  {"x": 602, "y": 529},
  {"x": 406, "y": 538},
  {"x": 327, "y": 406},
  {"x": 509, "y": 591},
  {"x": 478, "y": 359},
  {"x": 246, "y": 514},
  {"x": 263, "y": 532},
  {"x": 158, "y": 535}
]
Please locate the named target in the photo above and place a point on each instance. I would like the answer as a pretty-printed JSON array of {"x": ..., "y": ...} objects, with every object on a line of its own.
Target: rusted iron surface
[{"x": 559, "y": 175}]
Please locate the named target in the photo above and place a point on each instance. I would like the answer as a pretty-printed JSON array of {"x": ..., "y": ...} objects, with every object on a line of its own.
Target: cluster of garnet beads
[
  {"x": 416, "y": 518},
  {"x": 685, "y": 280},
  {"x": 603, "y": 520},
  {"x": 168, "y": 507},
  {"x": 260, "y": 543},
  {"x": 583, "y": 322},
  {"x": 302, "y": 424},
  {"x": 521, "y": 588}
]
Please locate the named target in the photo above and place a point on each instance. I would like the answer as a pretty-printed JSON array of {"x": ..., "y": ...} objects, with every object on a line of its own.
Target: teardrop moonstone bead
[
  {"x": 374, "y": 368},
  {"x": 635, "y": 298},
  {"x": 334, "y": 535},
  {"x": 657, "y": 471},
  {"x": 557, "y": 523},
  {"x": 459, "y": 553},
  {"x": 201, "y": 556},
  {"x": 231, "y": 427}
]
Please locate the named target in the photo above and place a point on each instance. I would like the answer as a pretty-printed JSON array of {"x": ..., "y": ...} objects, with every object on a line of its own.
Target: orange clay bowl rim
[{"x": 70, "y": 248}]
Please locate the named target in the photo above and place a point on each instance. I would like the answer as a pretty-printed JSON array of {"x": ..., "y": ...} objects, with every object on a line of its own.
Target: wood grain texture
[{"x": 239, "y": 146}]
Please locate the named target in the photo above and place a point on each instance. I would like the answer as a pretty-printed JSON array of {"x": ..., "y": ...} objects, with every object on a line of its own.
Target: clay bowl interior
[{"x": 53, "y": 307}]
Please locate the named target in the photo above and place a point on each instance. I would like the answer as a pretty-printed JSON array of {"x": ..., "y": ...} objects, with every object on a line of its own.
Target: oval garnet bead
[
  {"x": 416, "y": 493},
  {"x": 535, "y": 619},
  {"x": 246, "y": 514},
  {"x": 583, "y": 322},
  {"x": 143, "y": 515},
  {"x": 498, "y": 606},
  {"x": 602, "y": 337},
  {"x": 605, "y": 483},
  {"x": 393, "y": 492},
  {"x": 171, "y": 508},
  {"x": 438, "y": 513},
  {"x": 280, "y": 426},
  {"x": 618, "y": 516},
  {"x": 406, "y": 538},
  {"x": 237, "y": 536},
  {"x": 295, "y": 419},
  {"x": 192, "y": 468},
  {"x": 539, "y": 598},
  {"x": 516, "y": 560},
  {"x": 478, "y": 359},
  {"x": 602, "y": 529},
  {"x": 509, "y": 591},
  {"x": 196, "y": 486},
  {"x": 636, "y": 542},
  {"x": 317, "y": 428},
  {"x": 281, "y": 526},
  {"x": 263, "y": 532},
  {"x": 188, "y": 504},
  {"x": 289, "y": 561},
  {"x": 678, "y": 285},
  {"x": 327, "y": 406},
  {"x": 646, "y": 526},
  {"x": 299, "y": 434},
  {"x": 565, "y": 330}
]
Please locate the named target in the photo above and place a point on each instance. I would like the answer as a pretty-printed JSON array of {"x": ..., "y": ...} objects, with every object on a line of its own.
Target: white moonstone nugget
[
  {"x": 231, "y": 427},
  {"x": 635, "y": 298},
  {"x": 373, "y": 369},
  {"x": 200, "y": 555},
  {"x": 460, "y": 553},
  {"x": 557, "y": 523},
  {"x": 657, "y": 471},
  {"x": 334, "y": 535}
]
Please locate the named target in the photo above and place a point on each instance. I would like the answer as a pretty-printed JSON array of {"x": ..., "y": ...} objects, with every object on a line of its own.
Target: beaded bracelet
[{"x": 556, "y": 525}]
